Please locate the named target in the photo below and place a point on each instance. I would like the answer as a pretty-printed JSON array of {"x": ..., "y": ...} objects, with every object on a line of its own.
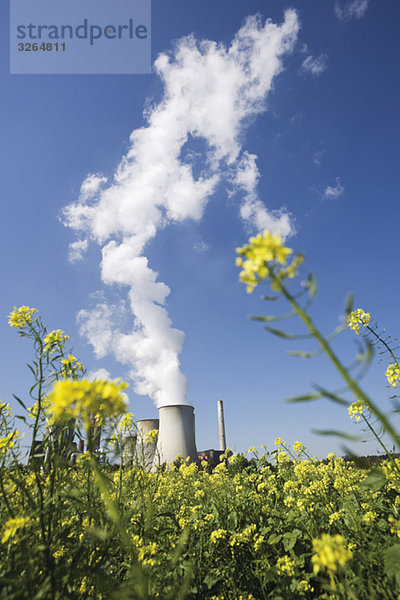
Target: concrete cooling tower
[
  {"x": 176, "y": 434},
  {"x": 145, "y": 447}
]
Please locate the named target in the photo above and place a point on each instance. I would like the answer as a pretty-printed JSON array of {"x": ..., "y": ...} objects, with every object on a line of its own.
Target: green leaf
[
  {"x": 21, "y": 417},
  {"x": 290, "y": 539},
  {"x": 345, "y": 436},
  {"x": 211, "y": 579},
  {"x": 300, "y": 353},
  {"x": 20, "y": 402},
  {"x": 287, "y": 336},
  {"x": 271, "y": 298},
  {"x": 279, "y": 333},
  {"x": 375, "y": 481},
  {"x": 305, "y": 398},
  {"x": 312, "y": 285},
  {"x": 33, "y": 370},
  {"x": 391, "y": 561},
  {"x": 274, "y": 317},
  {"x": 232, "y": 520},
  {"x": 331, "y": 396},
  {"x": 266, "y": 318},
  {"x": 349, "y": 303},
  {"x": 274, "y": 538},
  {"x": 370, "y": 353}
]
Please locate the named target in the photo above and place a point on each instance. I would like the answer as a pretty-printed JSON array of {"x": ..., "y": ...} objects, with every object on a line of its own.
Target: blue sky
[{"x": 317, "y": 151}]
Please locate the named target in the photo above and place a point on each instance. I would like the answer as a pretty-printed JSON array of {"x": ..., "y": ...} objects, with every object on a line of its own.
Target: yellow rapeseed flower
[
  {"x": 12, "y": 526},
  {"x": 7, "y": 442},
  {"x": 298, "y": 447},
  {"x": 152, "y": 436},
  {"x": 218, "y": 534},
  {"x": 393, "y": 374},
  {"x": 87, "y": 399},
  {"x": 5, "y": 409},
  {"x": 71, "y": 367},
  {"x": 55, "y": 340},
  {"x": 356, "y": 409},
  {"x": 356, "y": 318},
  {"x": 370, "y": 516},
  {"x": 259, "y": 256},
  {"x": 285, "y": 566},
  {"x": 126, "y": 422},
  {"x": 330, "y": 553},
  {"x": 21, "y": 317}
]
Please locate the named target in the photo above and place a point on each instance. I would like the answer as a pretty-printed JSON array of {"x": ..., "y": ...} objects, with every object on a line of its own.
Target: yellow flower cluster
[
  {"x": 86, "y": 400},
  {"x": 261, "y": 257},
  {"x": 5, "y": 409},
  {"x": 370, "y": 516},
  {"x": 7, "y": 442},
  {"x": 393, "y": 374},
  {"x": 55, "y": 340},
  {"x": 151, "y": 436},
  {"x": 298, "y": 447},
  {"x": 126, "y": 422},
  {"x": 21, "y": 317},
  {"x": 285, "y": 566},
  {"x": 394, "y": 525},
  {"x": 218, "y": 534},
  {"x": 44, "y": 404},
  {"x": 356, "y": 318},
  {"x": 303, "y": 586},
  {"x": 12, "y": 526},
  {"x": 330, "y": 553},
  {"x": 356, "y": 409},
  {"x": 71, "y": 367}
]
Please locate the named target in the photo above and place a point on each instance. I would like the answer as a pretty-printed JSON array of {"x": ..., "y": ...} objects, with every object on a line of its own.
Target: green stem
[
  {"x": 334, "y": 359},
  {"x": 39, "y": 394},
  {"x": 382, "y": 342},
  {"x": 388, "y": 454}
]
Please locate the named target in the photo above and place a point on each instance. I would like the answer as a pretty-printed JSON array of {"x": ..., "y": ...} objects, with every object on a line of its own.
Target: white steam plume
[{"x": 210, "y": 93}]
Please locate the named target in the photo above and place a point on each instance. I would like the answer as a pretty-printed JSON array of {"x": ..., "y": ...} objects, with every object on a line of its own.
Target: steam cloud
[{"x": 210, "y": 93}]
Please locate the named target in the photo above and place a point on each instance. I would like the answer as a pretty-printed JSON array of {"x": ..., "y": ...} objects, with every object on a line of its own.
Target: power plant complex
[
  {"x": 156, "y": 442},
  {"x": 176, "y": 438}
]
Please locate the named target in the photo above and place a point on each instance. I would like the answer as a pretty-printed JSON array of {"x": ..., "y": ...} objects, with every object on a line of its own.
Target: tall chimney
[
  {"x": 176, "y": 434},
  {"x": 221, "y": 423}
]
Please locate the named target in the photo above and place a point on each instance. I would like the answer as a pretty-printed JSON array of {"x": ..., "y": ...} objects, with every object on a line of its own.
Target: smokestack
[
  {"x": 221, "y": 423},
  {"x": 176, "y": 434},
  {"x": 145, "y": 450}
]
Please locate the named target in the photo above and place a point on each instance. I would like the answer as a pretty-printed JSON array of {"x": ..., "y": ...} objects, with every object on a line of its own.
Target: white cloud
[
  {"x": 201, "y": 246},
  {"x": 211, "y": 93},
  {"x": 98, "y": 374},
  {"x": 96, "y": 326},
  {"x": 76, "y": 250},
  {"x": 91, "y": 185},
  {"x": 318, "y": 157},
  {"x": 334, "y": 192},
  {"x": 354, "y": 9},
  {"x": 252, "y": 210},
  {"x": 314, "y": 66}
]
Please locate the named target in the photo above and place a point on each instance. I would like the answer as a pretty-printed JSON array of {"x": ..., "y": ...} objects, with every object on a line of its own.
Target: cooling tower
[
  {"x": 176, "y": 435},
  {"x": 145, "y": 445}
]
